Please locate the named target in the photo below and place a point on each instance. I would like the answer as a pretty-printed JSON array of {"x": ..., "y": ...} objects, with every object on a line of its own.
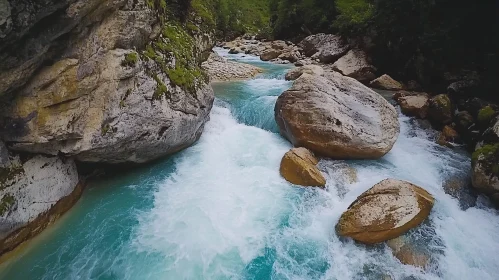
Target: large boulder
[
  {"x": 386, "y": 82},
  {"x": 337, "y": 117},
  {"x": 299, "y": 167},
  {"x": 295, "y": 73},
  {"x": 356, "y": 64},
  {"x": 385, "y": 211},
  {"x": 94, "y": 97},
  {"x": 448, "y": 136},
  {"x": 485, "y": 171},
  {"x": 325, "y": 47},
  {"x": 440, "y": 110},
  {"x": 221, "y": 69},
  {"x": 33, "y": 193},
  {"x": 414, "y": 106},
  {"x": 270, "y": 54}
]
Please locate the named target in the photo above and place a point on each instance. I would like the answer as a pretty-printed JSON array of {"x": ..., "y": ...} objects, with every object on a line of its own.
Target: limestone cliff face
[{"x": 101, "y": 80}]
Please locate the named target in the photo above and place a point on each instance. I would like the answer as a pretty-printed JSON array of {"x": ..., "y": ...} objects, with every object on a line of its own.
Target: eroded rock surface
[
  {"x": 325, "y": 47},
  {"x": 356, "y": 64}
]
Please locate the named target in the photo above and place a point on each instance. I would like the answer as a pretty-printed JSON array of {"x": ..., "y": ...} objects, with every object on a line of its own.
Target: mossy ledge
[{"x": 488, "y": 155}]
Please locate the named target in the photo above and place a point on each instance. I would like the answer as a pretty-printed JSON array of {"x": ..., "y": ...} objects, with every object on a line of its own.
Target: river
[{"x": 220, "y": 210}]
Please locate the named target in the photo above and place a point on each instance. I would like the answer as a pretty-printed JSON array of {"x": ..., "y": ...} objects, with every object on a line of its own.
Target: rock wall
[
  {"x": 30, "y": 190},
  {"x": 104, "y": 81}
]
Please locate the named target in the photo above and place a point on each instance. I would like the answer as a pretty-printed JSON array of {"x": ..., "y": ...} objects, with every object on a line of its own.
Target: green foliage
[
  {"x": 486, "y": 114},
  {"x": 242, "y": 16},
  {"x": 130, "y": 59},
  {"x": 7, "y": 174},
  {"x": 354, "y": 15},
  {"x": 6, "y": 203}
]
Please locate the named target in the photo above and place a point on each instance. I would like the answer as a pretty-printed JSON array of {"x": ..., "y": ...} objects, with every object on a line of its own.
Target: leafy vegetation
[
  {"x": 6, "y": 203},
  {"x": 130, "y": 59}
]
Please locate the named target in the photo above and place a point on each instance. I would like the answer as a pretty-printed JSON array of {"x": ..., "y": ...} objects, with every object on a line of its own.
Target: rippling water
[{"x": 220, "y": 210}]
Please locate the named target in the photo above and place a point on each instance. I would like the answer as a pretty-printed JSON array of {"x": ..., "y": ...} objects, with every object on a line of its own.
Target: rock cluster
[
  {"x": 221, "y": 69},
  {"x": 275, "y": 51}
]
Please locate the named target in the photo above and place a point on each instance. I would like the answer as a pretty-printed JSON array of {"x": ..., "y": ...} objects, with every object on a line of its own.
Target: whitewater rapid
[{"x": 220, "y": 209}]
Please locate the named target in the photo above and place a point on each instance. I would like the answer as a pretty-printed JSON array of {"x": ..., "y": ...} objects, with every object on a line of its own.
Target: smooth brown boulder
[
  {"x": 337, "y": 117},
  {"x": 299, "y": 167},
  {"x": 448, "y": 136},
  {"x": 270, "y": 54},
  {"x": 385, "y": 82},
  {"x": 385, "y": 211},
  {"x": 414, "y": 106},
  {"x": 356, "y": 64}
]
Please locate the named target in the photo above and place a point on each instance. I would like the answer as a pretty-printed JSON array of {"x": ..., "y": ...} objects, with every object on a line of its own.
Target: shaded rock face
[
  {"x": 30, "y": 190},
  {"x": 385, "y": 211},
  {"x": 386, "y": 82},
  {"x": 448, "y": 136},
  {"x": 295, "y": 73},
  {"x": 406, "y": 254},
  {"x": 299, "y": 167},
  {"x": 440, "y": 110},
  {"x": 325, "y": 47},
  {"x": 221, "y": 69},
  {"x": 337, "y": 117},
  {"x": 356, "y": 64},
  {"x": 97, "y": 99},
  {"x": 414, "y": 106}
]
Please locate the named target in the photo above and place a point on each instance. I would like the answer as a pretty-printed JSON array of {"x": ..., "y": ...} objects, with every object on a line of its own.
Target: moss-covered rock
[
  {"x": 485, "y": 170},
  {"x": 130, "y": 59},
  {"x": 6, "y": 203},
  {"x": 486, "y": 114},
  {"x": 440, "y": 110}
]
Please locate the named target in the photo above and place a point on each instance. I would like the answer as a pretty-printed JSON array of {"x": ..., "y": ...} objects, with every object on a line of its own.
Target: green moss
[
  {"x": 130, "y": 59},
  {"x": 490, "y": 160},
  {"x": 6, "y": 203},
  {"x": 199, "y": 7},
  {"x": 105, "y": 129},
  {"x": 486, "y": 114},
  {"x": 174, "y": 53},
  {"x": 7, "y": 174}
]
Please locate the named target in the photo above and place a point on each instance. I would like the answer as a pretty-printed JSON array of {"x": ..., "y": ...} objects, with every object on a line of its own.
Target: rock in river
[
  {"x": 337, "y": 117},
  {"x": 299, "y": 166},
  {"x": 385, "y": 211}
]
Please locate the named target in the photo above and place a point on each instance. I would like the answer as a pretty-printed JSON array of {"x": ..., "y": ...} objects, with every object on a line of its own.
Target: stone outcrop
[
  {"x": 295, "y": 73},
  {"x": 385, "y": 82},
  {"x": 414, "y": 106},
  {"x": 101, "y": 92},
  {"x": 270, "y": 54},
  {"x": 221, "y": 69},
  {"x": 385, "y": 211},
  {"x": 356, "y": 64},
  {"x": 299, "y": 167},
  {"x": 33, "y": 194},
  {"x": 337, "y": 117},
  {"x": 327, "y": 48}
]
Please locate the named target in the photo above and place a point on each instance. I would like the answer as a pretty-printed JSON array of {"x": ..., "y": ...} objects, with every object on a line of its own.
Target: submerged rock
[
  {"x": 355, "y": 64},
  {"x": 327, "y": 48},
  {"x": 32, "y": 195},
  {"x": 386, "y": 82},
  {"x": 221, "y": 69},
  {"x": 337, "y": 117},
  {"x": 385, "y": 211},
  {"x": 299, "y": 167},
  {"x": 407, "y": 254},
  {"x": 295, "y": 73}
]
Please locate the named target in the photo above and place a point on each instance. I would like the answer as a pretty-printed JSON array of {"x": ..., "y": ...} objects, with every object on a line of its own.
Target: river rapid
[{"x": 220, "y": 209}]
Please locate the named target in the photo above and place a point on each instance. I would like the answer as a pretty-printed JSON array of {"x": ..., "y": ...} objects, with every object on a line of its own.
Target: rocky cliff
[{"x": 111, "y": 81}]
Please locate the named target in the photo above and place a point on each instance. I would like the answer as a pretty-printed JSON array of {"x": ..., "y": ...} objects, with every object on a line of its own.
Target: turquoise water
[{"x": 220, "y": 210}]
